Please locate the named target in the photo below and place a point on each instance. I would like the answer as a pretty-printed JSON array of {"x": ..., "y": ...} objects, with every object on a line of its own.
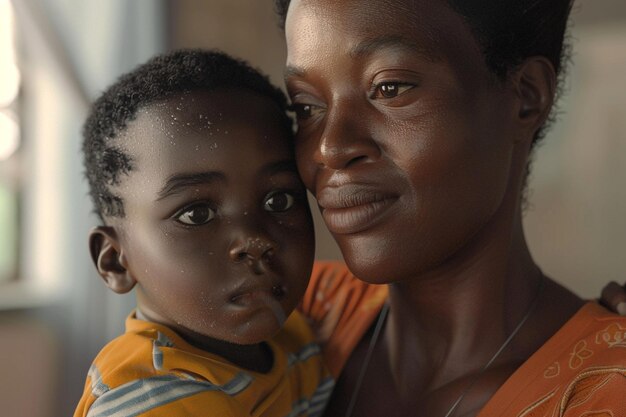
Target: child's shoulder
[
  {"x": 150, "y": 369},
  {"x": 129, "y": 357}
]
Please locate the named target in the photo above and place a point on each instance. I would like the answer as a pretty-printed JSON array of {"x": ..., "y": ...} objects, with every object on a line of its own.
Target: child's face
[{"x": 217, "y": 232}]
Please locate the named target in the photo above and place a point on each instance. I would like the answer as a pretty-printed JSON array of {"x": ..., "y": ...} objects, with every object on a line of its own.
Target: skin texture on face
[
  {"x": 406, "y": 139},
  {"x": 217, "y": 233},
  {"x": 417, "y": 155}
]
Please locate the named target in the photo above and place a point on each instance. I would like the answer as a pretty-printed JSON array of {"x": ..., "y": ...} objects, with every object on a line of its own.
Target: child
[{"x": 190, "y": 164}]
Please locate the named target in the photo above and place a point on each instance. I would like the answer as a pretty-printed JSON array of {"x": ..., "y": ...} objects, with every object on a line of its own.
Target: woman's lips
[{"x": 352, "y": 209}]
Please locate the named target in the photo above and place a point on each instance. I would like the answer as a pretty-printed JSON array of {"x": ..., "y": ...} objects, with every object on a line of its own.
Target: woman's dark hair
[
  {"x": 509, "y": 31},
  {"x": 161, "y": 77}
]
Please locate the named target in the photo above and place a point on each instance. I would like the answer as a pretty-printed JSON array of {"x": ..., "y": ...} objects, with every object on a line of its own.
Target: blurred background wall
[{"x": 55, "y": 314}]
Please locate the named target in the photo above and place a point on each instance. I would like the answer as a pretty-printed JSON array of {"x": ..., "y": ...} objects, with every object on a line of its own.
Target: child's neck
[{"x": 256, "y": 358}]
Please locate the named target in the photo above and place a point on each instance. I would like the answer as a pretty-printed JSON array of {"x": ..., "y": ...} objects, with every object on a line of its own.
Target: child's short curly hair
[{"x": 159, "y": 78}]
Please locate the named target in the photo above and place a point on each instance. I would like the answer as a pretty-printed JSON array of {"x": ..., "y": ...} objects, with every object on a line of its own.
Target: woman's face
[{"x": 405, "y": 138}]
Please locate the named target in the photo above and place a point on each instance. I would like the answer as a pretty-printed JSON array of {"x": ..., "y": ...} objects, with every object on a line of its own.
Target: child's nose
[{"x": 257, "y": 248}]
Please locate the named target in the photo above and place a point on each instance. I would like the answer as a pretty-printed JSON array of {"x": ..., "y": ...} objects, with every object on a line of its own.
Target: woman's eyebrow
[
  {"x": 293, "y": 71},
  {"x": 178, "y": 182},
  {"x": 372, "y": 45}
]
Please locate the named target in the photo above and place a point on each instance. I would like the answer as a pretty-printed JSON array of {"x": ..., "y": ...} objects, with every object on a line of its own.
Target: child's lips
[
  {"x": 257, "y": 298},
  {"x": 250, "y": 296},
  {"x": 247, "y": 294}
]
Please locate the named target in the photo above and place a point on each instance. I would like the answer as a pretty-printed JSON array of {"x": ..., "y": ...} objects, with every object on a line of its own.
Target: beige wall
[
  {"x": 245, "y": 28},
  {"x": 576, "y": 222},
  {"x": 30, "y": 365}
]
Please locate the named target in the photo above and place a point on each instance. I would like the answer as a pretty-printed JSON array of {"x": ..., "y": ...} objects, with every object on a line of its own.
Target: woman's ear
[
  {"x": 109, "y": 259},
  {"x": 535, "y": 85}
]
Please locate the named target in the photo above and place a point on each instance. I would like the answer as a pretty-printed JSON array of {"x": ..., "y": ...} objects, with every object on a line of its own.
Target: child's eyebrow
[{"x": 178, "y": 182}]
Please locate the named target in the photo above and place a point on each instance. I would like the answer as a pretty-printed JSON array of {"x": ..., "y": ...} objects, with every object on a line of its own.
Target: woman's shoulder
[
  {"x": 580, "y": 370},
  {"x": 597, "y": 337},
  {"x": 597, "y": 357}
]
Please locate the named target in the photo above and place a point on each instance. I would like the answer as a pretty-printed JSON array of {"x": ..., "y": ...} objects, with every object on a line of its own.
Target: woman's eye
[
  {"x": 196, "y": 215},
  {"x": 278, "y": 202},
  {"x": 391, "y": 89},
  {"x": 302, "y": 111},
  {"x": 305, "y": 111}
]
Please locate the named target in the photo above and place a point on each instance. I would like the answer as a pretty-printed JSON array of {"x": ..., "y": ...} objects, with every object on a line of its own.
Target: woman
[{"x": 416, "y": 123}]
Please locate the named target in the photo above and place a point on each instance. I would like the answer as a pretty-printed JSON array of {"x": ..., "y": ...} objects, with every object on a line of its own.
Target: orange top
[
  {"x": 340, "y": 308},
  {"x": 580, "y": 371}
]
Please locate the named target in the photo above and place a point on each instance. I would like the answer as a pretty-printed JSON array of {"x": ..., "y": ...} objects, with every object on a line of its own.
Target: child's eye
[
  {"x": 390, "y": 89},
  {"x": 279, "y": 201},
  {"x": 196, "y": 215}
]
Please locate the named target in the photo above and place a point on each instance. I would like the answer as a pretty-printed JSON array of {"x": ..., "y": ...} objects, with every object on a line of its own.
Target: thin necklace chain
[
  {"x": 378, "y": 329},
  {"x": 368, "y": 356},
  {"x": 508, "y": 340}
]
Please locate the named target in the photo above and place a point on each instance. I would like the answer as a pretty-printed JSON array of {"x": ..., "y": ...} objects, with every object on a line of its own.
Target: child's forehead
[
  {"x": 206, "y": 108},
  {"x": 196, "y": 133},
  {"x": 181, "y": 104},
  {"x": 213, "y": 116},
  {"x": 214, "y": 99}
]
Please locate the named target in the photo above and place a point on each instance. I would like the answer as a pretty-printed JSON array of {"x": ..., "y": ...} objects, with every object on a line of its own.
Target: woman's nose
[{"x": 346, "y": 139}]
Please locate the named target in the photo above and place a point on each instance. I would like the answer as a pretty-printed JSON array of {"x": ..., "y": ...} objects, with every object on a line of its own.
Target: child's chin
[{"x": 260, "y": 328}]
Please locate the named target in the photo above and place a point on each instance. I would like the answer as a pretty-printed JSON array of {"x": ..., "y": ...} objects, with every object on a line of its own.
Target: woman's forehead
[
  {"x": 376, "y": 14},
  {"x": 326, "y": 30},
  {"x": 426, "y": 24}
]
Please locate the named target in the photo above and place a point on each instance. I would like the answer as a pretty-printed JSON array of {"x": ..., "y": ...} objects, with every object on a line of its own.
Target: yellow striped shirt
[{"x": 151, "y": 371}]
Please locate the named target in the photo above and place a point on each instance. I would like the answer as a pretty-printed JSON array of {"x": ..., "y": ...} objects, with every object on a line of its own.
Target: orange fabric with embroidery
[{"x": 580, "y": 371}]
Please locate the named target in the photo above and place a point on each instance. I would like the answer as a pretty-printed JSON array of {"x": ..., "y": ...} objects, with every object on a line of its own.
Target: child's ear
[
  {"x": 109, "y": 259},
  {"x": 535, "y": 84}
]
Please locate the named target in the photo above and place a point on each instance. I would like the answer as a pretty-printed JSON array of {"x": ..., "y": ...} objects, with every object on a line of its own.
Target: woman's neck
[{"x": 449, "y": 321}]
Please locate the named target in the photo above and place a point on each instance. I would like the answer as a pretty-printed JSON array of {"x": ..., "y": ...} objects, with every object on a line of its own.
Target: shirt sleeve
[
  {"x": 340, "y": 309},
  {"x": 166, "y": 400}
]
